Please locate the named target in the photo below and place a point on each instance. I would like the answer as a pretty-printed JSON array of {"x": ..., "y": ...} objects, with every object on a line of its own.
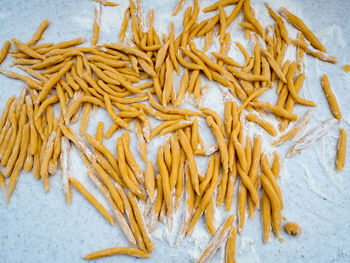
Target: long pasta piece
[
  {"x": 254, "y": 170},
  {"x": 312, "y": 136},
  {"x": 139, "y": 218},
  {"x": 330, "y": 97},
  {"x": 178, "y": 8},
  {"x": 208, "y": 195},
  {"x": 314, "y": 52},
  {"x": 163, "y": 171},
  {"x": 123, "y": 168},
  {"x": 130, "y": 158},
  {"x": 296, "y": 129},
  {"x": 262, "y": 123},
  {"x": 341, "y": 150},
  {"x": 19, "y": 162},
  {"x": 80, "y": 187},
  {"x": 130, "y": 251},
  {"x": 231, "y": 246},
  {"x": 221, "y": 142},
  {"x": 275, "y": 204},
  {"x": 220, "y": 237},
  {"x": 298, "y": 23},
  {"x": 4, "y": 50},
  {"x": 186, "y": 146},
  {"x": 96, "y": 27},
  {"x": 132, "y": 220},
  {"x": 64, "y": 160}
]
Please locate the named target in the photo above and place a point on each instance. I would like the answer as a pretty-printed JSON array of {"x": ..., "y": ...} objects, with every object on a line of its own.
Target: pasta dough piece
[
  {"x": 298, "y": 23},
  {"x": 179, "y": 6},
  {"x": 38, "y": 33},
  {"x": 293, "y": 228},
  {"x": 220, "y": 237},
  {"x": 186, "y": 146},
  {"x": 221, "y": 141},
  {"x": 207, "y": 196},
  {"x": 139, "y": 218},
  {"x": 79, "y": 186},
  {"x": 4, "y": 50},
  {"x": 141, "y": 143},
  {"x": 64, "y": 161},
  {"x": 19, "y": 162},
  {"x": 44, "y": 169},
  {"x": 231, "y": 246},
  {"x": 330, "y": 97},
  {"x": 295, "y": 130},
  {"x": 130, "y": 158},
  {"x": 275, "y": 204},
  {"x": 163, "y": 171},
  {"x": 150, "y": 180},
  {"x": 262, "y": 123},
  {"x": 124, "y": 170},
  {"x": 312, "y": 136},
  {"x": 52, "y": 81},
  {"x": 130, "y": 251},
  {"x": 132, "y": 220},
  {"x": 341, "y": 150}
]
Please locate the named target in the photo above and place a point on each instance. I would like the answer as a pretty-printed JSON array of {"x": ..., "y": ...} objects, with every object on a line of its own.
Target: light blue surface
[{"x": 39, "y": 227}]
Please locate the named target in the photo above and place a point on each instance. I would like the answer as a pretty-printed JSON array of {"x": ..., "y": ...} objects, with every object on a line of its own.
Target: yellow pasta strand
[
  {"x": 163, "y": 171},
  {"x": 221, "y": 142},
  {"x": 341, "y": 150},
  {"x": 150, "y": 180},
  {"x": 275, "y": 204},
  {"x": 220, "y": 236},
  {"x": 130, "y": 251},
  {"x": 4, "y": 50},
  {"x": 299, "y": 24},
  {"x": 330, "y": 97},
  {"x": 262, "y": 123},
  {"x": 80, "y": 187},
  {"x": 231, "y": 246},
  {"x": 19, "y": 162},
  {"x": 186, "y": 146}
]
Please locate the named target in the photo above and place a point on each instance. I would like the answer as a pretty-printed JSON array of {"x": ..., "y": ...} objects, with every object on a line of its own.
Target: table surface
[{"x": 39, "y": 227}]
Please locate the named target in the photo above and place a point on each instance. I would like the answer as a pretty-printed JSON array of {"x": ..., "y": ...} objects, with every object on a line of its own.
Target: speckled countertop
[{"x": 39, "y": 227}]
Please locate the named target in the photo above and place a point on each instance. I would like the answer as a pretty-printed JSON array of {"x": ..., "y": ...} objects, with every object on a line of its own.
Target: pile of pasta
[{"x": 134, "y": 81}]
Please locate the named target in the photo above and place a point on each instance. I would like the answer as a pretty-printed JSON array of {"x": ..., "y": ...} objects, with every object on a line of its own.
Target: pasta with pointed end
[
  {"x": 4, "y": 50},
  {"x": 150, "y": 180},
  {"x": 186, "y": 146},
  {"x": 330, "y": 97},
  {"x": 341, "y": 150},
  {"x": 221, "y": 141},
  {"x": 275, "y": 204},
  {"x": 140, "y": 220},
  {"x": 79, "y": 186},
  {"x": 220, "y": 237},
  {"x": 130, "y": 251},
  {"x": 298, "y": 23},
  {"x": 19, "y": 162},
  {"x": 262, "y": 123}
]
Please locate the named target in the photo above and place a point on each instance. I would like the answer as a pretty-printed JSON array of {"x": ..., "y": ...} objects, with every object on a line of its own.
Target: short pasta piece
[{"x": 262, "y": 123}]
